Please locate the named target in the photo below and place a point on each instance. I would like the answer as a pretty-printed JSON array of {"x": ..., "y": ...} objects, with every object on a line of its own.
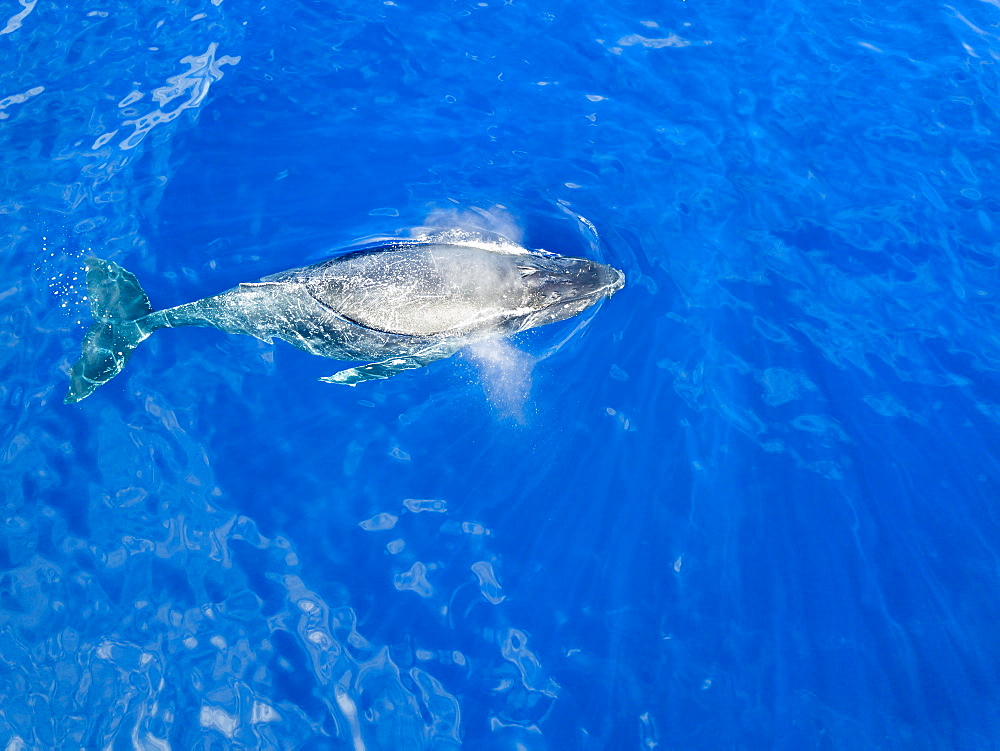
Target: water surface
[{"x": 750, "y": 503}]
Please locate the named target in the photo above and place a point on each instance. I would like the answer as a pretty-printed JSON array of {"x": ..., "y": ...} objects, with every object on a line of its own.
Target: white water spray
[{"x": 505, "y": 372}]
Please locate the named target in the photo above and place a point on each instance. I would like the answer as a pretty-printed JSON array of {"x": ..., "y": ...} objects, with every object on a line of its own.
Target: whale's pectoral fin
[{"x": 386, "y": 368}]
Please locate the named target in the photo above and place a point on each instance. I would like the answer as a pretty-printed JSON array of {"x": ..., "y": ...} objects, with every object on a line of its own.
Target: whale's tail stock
[{"x": 117, "y": 302}]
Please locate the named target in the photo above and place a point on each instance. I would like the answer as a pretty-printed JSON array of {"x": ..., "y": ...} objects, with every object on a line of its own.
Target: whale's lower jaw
[{"x": 569, "y": 307}]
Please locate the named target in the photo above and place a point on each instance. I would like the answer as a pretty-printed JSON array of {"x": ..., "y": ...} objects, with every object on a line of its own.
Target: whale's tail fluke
[{"x": 117, "y": 302}]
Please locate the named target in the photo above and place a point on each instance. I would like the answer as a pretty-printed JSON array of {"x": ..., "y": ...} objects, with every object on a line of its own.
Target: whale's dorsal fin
[{"x": 387, "y": 368}]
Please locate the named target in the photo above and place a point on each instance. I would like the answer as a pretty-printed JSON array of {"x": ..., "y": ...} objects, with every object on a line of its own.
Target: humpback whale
[{"x": 397, "y": 306}]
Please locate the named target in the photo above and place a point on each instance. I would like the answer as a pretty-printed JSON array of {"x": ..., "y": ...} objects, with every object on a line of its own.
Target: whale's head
[{"x": 559, "y": 287}]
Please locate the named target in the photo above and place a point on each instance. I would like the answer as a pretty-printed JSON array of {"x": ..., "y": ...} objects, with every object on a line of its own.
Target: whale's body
[{"x": 401, "y": 305}]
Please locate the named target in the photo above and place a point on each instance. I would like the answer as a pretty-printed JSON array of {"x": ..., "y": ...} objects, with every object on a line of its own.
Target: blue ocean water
[{"x": 749, "y": 503}]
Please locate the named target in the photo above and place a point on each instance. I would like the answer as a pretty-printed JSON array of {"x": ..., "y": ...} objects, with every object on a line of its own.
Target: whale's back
[{"x": 421, "y": 289}]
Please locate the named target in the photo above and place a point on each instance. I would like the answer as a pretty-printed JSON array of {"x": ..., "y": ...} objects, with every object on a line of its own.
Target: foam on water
[{"x": 493, "y": 229}]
